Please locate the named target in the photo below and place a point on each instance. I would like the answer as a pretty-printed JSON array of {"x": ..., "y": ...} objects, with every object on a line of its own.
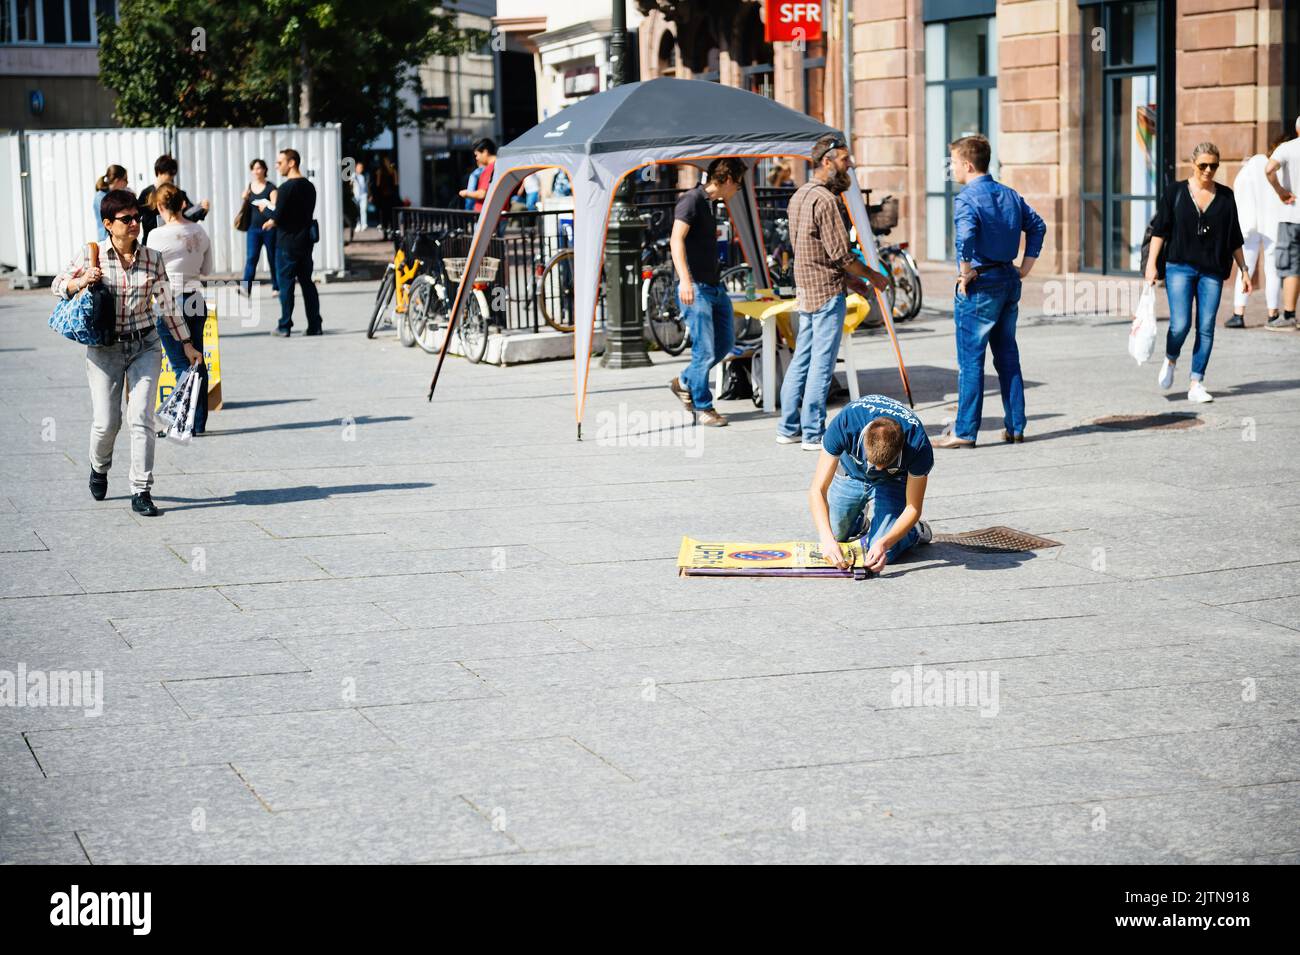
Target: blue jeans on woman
[
  {"x": 709, "y": 319},
  {"x": 808, "y": 379},
  {"x": 257, "y": 239},
  {"x": 985, "y": 318},
  {"x": 1183, "y": 283},
  {"x": 847, "y": 501},
  {"x": 195, "y": 313}
]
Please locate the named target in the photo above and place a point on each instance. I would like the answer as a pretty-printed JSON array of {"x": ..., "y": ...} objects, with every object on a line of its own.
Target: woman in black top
[
  {"x": 261, "y": 194},
  {"x": 1198, "y": 220}
]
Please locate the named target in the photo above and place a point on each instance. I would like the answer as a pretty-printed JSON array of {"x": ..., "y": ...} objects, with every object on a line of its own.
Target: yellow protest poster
[
  {"x": 783, "y": 559},
  {"x": 211, "y": 354}
]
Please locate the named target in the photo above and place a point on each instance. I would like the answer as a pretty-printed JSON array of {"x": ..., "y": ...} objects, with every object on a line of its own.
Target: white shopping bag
[
  {"x": 1142, "y": 333},
  {"x": 177, "y": 412}
]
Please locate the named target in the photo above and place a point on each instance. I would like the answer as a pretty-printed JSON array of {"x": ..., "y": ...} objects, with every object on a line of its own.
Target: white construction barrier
[{"x": 58, "y": 174}]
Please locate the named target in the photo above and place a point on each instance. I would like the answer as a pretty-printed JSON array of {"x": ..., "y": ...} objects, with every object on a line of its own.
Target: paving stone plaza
[{"x": 369, "y": 628}]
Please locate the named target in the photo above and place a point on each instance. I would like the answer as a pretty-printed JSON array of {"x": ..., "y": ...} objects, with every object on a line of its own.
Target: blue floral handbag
[{"x": 90, "y": 316}]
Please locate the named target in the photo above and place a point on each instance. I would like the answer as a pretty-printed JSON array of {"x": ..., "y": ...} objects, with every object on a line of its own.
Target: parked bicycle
[{"x": 903, "y": 297}]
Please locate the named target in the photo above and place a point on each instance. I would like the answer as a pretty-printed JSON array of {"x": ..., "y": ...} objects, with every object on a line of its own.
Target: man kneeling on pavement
[{"x": 877, "y": 456}]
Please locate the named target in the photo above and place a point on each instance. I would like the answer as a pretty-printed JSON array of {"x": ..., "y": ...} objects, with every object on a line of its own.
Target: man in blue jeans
[
  {"x": 705, "y": 304},
  {"x": 824, "y": 267},
  {"x": 989, "y": 218},
  {"x": 874, "y": 454}
]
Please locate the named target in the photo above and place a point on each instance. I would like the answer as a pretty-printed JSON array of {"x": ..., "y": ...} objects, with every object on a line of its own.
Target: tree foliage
[{"x": 244, "y": 63}]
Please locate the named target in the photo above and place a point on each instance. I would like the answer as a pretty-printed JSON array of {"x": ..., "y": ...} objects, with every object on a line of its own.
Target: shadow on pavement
[
  {"x": 226, "y": 405},
  {"x": 929, "y": 382},
  {"x": 933, "y": 556},
  {"x": 285, "y": 495},
  {"x": 301, "y": 425},
  {"x": 1249, "y": 388}
]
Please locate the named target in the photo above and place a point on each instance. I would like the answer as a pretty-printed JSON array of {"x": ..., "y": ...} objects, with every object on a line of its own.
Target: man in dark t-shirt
[
  {"x": 705, "y": 305},
  {"x": 295, "y": 206},
  {"x": 875, "y": 453}
]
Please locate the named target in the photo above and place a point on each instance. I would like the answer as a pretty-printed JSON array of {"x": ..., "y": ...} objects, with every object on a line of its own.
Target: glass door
[
  {"x": 961, "y": 98},
  {"x": 1125, "y": 139}
]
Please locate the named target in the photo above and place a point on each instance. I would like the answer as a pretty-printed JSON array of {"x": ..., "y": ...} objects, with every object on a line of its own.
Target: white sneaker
[
  {"x": 926, "y": 532},
  {"x": 811, "y": 445},
  {"x": 1166, "y": 379},
  {"x": 1196, "y": 392},
  {"x": 787, "y": 438}
]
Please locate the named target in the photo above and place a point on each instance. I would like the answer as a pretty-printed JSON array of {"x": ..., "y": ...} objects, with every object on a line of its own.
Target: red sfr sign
[{"x": 789, "y": 21}]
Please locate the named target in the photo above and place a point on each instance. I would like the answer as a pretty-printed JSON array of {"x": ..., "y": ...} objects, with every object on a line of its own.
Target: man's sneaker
[
  {"x": 1013, "y": 437},
  {"x": 924, "y": 530},
  {"x": 1196, "y": 392},
  {"x": 98, "y": 485},
  {"x": 811, "y": 445},
  {"x": 951, "y": 441},
  {"x": 710, "y": 418},
  {"x": 142, "y": 503},
  {"x": 684, "y": 396},
  {"x": 787, "y": 438},
  {"x": 1236, "y": 321},
  {"x": 1166, "y": 379},
  {"x": 1280, "y": 323}
]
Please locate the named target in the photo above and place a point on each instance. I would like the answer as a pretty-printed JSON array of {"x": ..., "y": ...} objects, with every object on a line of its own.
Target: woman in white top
[
  {"x": 1257, "y": 211},
  {"x": 187, "y": 255}
]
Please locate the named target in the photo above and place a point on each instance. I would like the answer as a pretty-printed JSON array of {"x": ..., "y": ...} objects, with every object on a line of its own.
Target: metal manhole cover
[
  {"x": 1148, "y": 422},
  {"x": 996, "y": 540}
]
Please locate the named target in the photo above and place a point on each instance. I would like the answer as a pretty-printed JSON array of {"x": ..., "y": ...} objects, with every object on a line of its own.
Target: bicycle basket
[
  {"x": 487, "y": 271},
  {"x": 884, "y": 216}
]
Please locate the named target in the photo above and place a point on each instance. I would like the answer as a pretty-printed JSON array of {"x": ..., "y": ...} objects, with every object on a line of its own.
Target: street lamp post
[{"x": 624, "y": 340}]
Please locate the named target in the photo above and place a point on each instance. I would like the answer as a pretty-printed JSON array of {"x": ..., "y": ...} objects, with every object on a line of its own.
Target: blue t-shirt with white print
[{"x": 843, "y": 439}]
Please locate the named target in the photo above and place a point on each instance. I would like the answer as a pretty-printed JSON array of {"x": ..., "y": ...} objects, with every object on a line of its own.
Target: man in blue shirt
[
  {"x": 989, "y": 218},
  {"x": 874, "y": 453}
]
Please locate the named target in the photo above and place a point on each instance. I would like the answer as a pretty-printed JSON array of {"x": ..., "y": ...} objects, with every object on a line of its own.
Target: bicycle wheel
[
  {"x": 906, "y": 265},
  {"x": 663, "y": 314},
  {"x": 429, "y": 317},
  {"x": 890, "y": 292},
  {"x": 555, "y": 291},
  {"x": 735, "y": 278},
  {"x": 474, "y": 327},
  {"x": 383, "y": 298},
  {"x": 411, "y": 322}
]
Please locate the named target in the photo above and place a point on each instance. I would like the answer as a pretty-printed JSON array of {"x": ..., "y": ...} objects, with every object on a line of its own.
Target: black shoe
[
  {"x": 314, "y": 331},
  {"x": 98, "y": 485},
  {"x": 1237, "y": 321},
  {"x": 142, "y": 503},
  {"x": 280, "y": 332}
]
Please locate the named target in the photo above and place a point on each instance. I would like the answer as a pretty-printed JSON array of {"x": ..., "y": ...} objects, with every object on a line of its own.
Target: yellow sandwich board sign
[
  {"x": 211, "y": 354},
  {"x": 784, "y": 559}
]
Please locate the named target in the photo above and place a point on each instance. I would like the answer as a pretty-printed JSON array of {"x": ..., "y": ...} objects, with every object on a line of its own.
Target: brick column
[
  {"x": 886, "y": 124},
  {"x": 1228, "y": 51},
  {"x": 1029, "y": 139}
]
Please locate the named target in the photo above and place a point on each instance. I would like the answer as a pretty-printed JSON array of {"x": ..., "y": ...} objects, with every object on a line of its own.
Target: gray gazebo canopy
[{"x": 604, "y": 138}]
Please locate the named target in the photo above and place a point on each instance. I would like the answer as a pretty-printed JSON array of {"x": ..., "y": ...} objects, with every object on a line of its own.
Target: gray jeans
[{"x": 138, "y": 362}]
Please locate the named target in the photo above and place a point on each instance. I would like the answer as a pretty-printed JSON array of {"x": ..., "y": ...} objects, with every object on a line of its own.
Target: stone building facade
[{"x": 1093, "y": 106}]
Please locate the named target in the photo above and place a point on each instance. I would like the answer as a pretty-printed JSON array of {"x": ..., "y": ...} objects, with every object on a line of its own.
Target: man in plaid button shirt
[
  {"x": 824, "y": 268},
  {"x": 138, "y": 280}
]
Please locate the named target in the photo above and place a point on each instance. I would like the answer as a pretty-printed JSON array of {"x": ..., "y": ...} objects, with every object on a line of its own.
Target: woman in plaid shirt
[{"x": 138, "y": 279}]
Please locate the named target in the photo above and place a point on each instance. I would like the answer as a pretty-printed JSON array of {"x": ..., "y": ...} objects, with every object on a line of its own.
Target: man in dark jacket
[{"x": 295, "y": 206}]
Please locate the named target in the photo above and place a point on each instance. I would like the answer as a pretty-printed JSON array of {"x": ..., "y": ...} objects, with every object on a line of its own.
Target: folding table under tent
[{"x": 606, "y": 137}]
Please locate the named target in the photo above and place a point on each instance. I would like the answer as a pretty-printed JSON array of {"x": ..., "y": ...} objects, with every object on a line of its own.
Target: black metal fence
[
  {"x": 526, "y": 241},
  {"x": 523, "y": 245}
]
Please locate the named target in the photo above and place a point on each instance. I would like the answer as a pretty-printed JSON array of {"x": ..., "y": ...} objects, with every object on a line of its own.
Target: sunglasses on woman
[
  {"x": 1211, "y": 166},
  {"x": 127, "y": 219}
]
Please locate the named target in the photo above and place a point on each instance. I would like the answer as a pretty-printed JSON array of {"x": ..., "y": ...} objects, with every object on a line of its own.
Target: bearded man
[{"x": 824, "y": 268}]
